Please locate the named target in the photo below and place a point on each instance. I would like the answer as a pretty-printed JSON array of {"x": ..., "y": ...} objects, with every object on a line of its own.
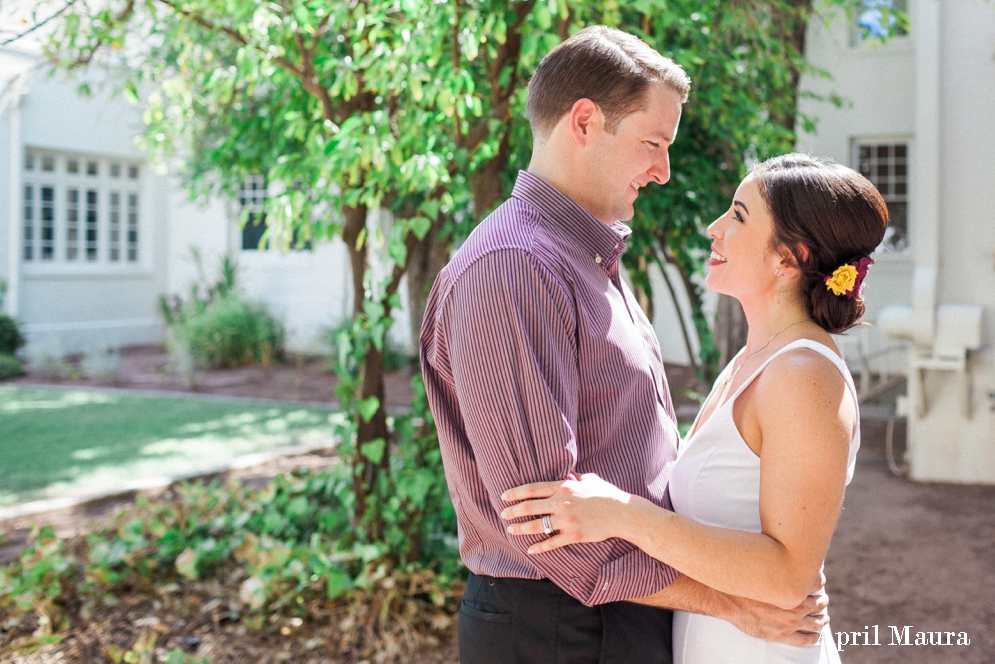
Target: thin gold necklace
[
  {"x": 803, "y": 320},
  {"x": 732, "y": 374}
]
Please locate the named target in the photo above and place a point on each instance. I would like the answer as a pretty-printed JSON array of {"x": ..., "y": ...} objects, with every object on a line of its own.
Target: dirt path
[{"x": 921, "y": 555}]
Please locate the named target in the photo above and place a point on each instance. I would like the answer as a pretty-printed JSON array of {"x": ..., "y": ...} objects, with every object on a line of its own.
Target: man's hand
[{"x": 799, "y": 626}]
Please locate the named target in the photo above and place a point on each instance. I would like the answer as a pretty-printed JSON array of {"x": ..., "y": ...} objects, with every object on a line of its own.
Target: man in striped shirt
[{"x": 539, "y": 364}]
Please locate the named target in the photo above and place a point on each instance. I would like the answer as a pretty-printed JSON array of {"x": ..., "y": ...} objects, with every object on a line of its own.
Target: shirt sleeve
[{"x": 510, "y": 328}]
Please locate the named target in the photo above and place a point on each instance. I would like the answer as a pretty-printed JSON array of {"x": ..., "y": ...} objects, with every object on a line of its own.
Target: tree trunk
[
  {"x": 365, "y": 471},
  {"x": 425, "y": 262},
  {"x": 794, "y": 22}
]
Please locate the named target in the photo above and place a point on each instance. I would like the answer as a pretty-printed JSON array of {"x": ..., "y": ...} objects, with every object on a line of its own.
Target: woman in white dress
[{"x": 758, "y": 483}]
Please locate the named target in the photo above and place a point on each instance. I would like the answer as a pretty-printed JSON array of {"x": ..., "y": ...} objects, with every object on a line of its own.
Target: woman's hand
[{"x": 587, "y": 509}]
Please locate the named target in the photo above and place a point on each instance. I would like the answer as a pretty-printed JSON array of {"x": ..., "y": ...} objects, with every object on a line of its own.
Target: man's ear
[{"x": 585, "y": 121}]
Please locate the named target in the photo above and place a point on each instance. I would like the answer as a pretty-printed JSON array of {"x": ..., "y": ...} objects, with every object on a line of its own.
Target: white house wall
[
  {"x": 82, "y": 307},
  {"x": 935, "y": 89},
  {"x": 877, "y": 85},
  {"x": 945, "y": 445}
]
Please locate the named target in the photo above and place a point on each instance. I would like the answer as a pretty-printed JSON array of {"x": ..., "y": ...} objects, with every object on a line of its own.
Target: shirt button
[
  {"x": 597, "y": 259},
  {"x": 616, "y": 245},
  {"x": 605, "y": 587}
]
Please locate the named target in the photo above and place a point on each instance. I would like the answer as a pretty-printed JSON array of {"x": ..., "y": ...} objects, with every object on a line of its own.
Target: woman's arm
[{"x": 803, "y": 415}]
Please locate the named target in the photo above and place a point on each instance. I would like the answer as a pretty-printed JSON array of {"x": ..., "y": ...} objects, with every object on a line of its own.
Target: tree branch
[
  {"x": 233, "y": 34},
  {"x": 40, "y": 24}
]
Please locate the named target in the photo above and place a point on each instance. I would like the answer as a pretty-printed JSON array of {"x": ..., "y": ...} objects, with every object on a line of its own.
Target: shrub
[
  {"x": 11, "y": 338},
  {"x": 10, "y": 367},
  {"x": 216, "y": 328},
  {"x": 230, "y": 333}
]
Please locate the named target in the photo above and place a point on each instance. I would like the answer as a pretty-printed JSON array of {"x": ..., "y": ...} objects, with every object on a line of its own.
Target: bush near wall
[
  {"x": 216, "y": 328},
  {"x": 11, "y": 338},
  {"x": 10, "y": 367},
  {"x": 230, "y": 333}
]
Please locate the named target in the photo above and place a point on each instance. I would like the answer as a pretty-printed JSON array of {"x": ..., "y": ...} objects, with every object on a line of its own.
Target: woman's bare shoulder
[{"x": 802, "y": 381}]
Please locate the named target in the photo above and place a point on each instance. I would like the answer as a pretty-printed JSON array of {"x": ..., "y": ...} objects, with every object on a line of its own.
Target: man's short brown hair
[{"x": 611, "y": 68}]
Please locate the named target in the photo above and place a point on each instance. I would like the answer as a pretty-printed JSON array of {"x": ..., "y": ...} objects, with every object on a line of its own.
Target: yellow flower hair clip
[{"x": 848, "y": 279}]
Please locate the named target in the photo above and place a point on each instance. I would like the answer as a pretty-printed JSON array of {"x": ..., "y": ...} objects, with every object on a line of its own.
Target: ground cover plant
[
  {"x": 156, "y": 583},
  {"x": 59, "y": 441}
]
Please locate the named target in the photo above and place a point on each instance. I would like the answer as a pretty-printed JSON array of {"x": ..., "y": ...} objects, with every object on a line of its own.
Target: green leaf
[
  {"x": 367, "y": 407},
  {"x": 374, "y": 450},
  {"x": 337, "y": 584},
  {"x": 186, "y": 564},
  {"x": 420, "y": 227}
]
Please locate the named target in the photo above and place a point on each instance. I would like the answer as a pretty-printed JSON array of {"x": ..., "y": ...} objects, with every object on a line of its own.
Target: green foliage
[
  {"x": 395, "y": 357},
  {"x": 232, "y": 333},
  {"x": 219, "y": 328},
  {"x": 293, "y": 542},
  {"x": 10, "y": 367},
  {"x": 11, "y": 337},
  {"x": 418, "y": 107}
]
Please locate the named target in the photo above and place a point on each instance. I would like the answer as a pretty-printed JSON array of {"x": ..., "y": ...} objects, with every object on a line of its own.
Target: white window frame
[
  {"x": 890, "y": 197},
  {"x": 84, "y": 233}
]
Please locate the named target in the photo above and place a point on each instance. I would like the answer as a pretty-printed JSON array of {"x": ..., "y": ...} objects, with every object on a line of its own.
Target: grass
[{"x": 56, "y": 442}]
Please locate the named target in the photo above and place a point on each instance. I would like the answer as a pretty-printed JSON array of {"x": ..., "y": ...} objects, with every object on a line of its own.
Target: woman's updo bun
[{"x": 826, "y": 215}]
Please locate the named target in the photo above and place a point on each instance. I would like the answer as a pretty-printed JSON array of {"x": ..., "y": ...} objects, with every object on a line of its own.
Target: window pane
[
  {"x": 91, "y": 224},
  {"x": 898, "y": 225},
  {"x": 115, "y": 170},
  {"x": 72, "y": 224},
  {"x": 132, "y": 227},
  {"x": 72, "y": 166},
  {"x": 48, "y": 164},
  {"x": 29, "y": 223},
  {"x": 886, "y": 166},
  {"x": 133, "y": 172},
  {"x": 47, "y": 218},
  {"x": 92, "y": 168},
  {"x": 115, "y": 226},
  {"x": 252, "y": 232},
  {"x": 29, "y": 162}
]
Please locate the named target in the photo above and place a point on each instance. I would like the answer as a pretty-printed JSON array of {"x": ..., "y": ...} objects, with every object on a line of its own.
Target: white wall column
[
  {"x": 925, "y": 208},
  {"x": 12, "y": 297}
]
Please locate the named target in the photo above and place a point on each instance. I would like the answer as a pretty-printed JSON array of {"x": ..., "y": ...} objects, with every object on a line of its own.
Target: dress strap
[{"x": 818, "y": 347}]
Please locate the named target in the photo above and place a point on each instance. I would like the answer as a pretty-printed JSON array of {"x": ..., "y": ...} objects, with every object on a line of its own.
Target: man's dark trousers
[{"x": 521, "y": 621}]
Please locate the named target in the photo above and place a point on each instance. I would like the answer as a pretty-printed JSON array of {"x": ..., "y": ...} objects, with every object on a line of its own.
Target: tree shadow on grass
[{"x": 59, "y": 442}]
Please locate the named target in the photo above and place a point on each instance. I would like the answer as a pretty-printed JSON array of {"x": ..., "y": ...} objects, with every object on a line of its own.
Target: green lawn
[{"x": 57, "y": 442}]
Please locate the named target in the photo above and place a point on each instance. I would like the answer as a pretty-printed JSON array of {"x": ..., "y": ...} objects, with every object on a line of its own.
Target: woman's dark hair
[{"x": 832, "y": 211}]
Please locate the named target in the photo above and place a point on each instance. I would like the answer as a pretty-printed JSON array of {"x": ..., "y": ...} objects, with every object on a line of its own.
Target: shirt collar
[{"x": 605, "y": 244}]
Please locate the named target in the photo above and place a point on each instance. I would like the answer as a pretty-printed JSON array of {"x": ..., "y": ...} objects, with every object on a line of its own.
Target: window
[
  {"x": 874, "y": 18},
  {"x": 886, "y": 165},
  {"x": 252, "y": 198},
  {"x": 29, "y": 222},
  {"x": 72, "y": 223},
  {"x": 79, "y": 210}
]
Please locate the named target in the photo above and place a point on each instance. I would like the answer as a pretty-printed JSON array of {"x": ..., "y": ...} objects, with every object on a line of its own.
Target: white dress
[{"x": 716, "y": 481}]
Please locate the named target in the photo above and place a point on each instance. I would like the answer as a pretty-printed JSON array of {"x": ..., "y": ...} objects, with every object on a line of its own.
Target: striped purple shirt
[{"x": 539, "y": 363}]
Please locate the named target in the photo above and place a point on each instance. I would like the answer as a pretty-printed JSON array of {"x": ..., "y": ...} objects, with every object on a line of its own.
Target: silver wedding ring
[{"x": 547, "y": 527}]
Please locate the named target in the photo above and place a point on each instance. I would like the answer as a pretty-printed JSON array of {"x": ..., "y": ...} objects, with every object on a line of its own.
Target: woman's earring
[{"x": 777, "y": 272}]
